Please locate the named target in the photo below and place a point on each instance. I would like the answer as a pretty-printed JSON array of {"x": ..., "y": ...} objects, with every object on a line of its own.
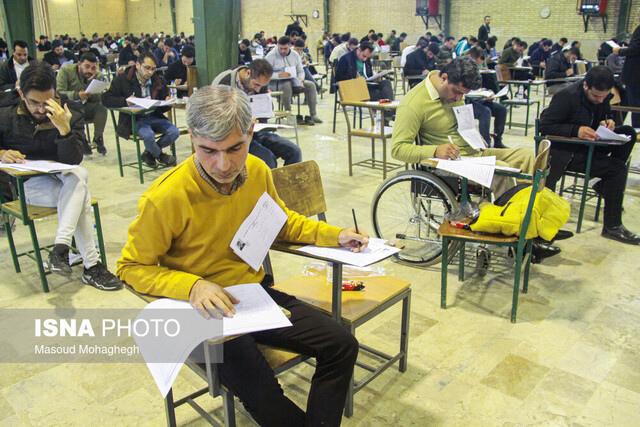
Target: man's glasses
[
  {"x": 37, "y": 105},
  {"x": 148, "y": 68}
]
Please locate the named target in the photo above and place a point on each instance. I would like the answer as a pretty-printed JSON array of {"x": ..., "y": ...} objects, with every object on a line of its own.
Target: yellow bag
[{"x": 550, "y": 212}]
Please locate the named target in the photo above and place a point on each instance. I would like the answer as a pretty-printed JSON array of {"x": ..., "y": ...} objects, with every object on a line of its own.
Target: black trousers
[
  {"x": 247, "y": 374},
  {"x": 608, "y": 163}
]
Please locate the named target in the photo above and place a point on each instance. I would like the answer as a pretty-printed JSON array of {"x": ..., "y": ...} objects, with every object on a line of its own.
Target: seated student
[
  {"x": 166, "y": 55},
  {"x": 395, "y": 47},
  {"x": 541, "y": 55},
  {"x": 172, "y": 255},
  {"x": 177, "y": 71},
  {"x": 129, "y": 54},
  {"x": 40, "y": 125},
  {"x": 252, "y": 79},
  {"x": 559, "y": 45},
  {"x": 44, "y": 45},
  {"x": 484, "y": 109},
  {"x": 11, "y": 69},
  {"x": 142, "y": 81},
  {"x": 282, "y": 58},
  {"x": 409, "y": 50},
  {"x": 298, "y": 46},
  {"x": 72, "y": 83},
  {"x": 58, "y": 55},
  {"x": 576, "y": 111},
  {"x": 445, "y": 54},
  {"x": 328, "y": 48},
  {"x": 357, "y": 63},
  {"x": 342, "y": 48},
  {"x": 559, "y": 67},
  {"x": 421, "y": 61},
  {"x": 509, "y": 58},
  {"x": 244, "y": 52}
]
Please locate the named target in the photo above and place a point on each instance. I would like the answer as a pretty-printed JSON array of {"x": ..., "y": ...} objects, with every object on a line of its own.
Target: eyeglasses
[
  {"x": 37, "y": 105},
  {"x": 148, "y": 68}
]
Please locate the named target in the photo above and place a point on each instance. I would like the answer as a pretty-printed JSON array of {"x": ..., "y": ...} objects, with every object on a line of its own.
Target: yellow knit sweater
[{"x": 184, "y": 229}]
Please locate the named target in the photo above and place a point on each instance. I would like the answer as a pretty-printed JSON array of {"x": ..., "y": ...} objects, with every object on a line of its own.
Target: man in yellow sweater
[{"x": 179, "y": 247}]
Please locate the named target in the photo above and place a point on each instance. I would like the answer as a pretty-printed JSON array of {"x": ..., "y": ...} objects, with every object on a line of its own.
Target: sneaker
[
  {"x": 148, "y": 159},
  {"x": 87, "y": 149},
  {"x": 58, "y": 261},
  {"x": 167, "y": 159},
  {"x": 309, "y": 121},
  {"x": 316, "y": 119},
  {"x": 99, "y": 142},
  {"x": 99, "y": 277}
]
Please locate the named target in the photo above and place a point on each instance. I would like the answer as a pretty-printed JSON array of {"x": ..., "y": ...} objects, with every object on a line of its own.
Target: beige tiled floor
[{"x": 572, "y": 359}]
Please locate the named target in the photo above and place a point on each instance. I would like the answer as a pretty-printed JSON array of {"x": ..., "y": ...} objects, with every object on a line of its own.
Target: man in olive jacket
[{"x": 73, "y": 81}]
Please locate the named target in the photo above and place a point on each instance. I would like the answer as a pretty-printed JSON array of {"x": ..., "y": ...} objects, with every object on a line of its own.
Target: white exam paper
[
  {"x": 148, "y": 102},
  {"x": 113, "y": 46},
  {"x": 609, "y": 135},
  {"x": 467, "y": 126},
  {"x": 374, "y": 252},
  {"x": 39, "y": 166},
  {"x": 65, "y": 63},
  {"x": 262, "y": 126},
  {"x": 256, "y": 234},
  {"x": 380, "y": 74},
  {"x": 96, "y": 86},
  {"x": 256, "y": 311},
  {"x": 613, "y": 44},
  {"x": 291, "y": 70},
  {"x": 261, "y": 106},
  {"x": 476, "y": 169}
]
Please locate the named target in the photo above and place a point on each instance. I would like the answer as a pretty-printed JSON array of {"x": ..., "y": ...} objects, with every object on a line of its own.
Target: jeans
[
  {"x": 483, "y": 111},
  {"x": 147, "y": 128},
  {"x": 248, "y": 375},
  {"x": 286, "y": 86},
  {"x": 269, "y": 146},
  {"x": 97, "y": 113},
  {"x": 308, "y": 77},
  {"x": 68, "y": 192},
  {"x": 633, "y": 100}
]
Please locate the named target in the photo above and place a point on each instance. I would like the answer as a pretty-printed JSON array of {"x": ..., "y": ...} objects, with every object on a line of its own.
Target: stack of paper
[
  {"x": 39, "y": 166},
  {"x": 609, "y": 135}
]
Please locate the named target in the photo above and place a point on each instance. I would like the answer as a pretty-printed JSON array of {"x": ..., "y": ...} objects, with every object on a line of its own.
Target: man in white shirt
[
  {"x": 409, "y": 49},
  {"x": 12, "y": 68},
  {"x": 289, "y": 78},
  {"x": 343, "y": 49}
]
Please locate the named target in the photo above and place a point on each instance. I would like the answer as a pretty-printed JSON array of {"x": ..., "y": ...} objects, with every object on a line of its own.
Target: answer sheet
[
  {"x": 39, "y": 166},
  {"x": 374, "y": 252},
  {"x": 165, "y": 354},
  {"x": 476, "y": 169},
  {"x": 609, "y": 135},
  {"x": 97, "y": 86},
  {"x": 256, "y": 234},
  {"x": 261, "y": 106},
  {"x": 467, "y": 126}
]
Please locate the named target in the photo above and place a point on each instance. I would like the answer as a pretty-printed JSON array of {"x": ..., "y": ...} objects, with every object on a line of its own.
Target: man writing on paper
[
  {"x": 73, "y": 82},
  {"x": 254, "y": 79},
  {"x": 179, "y": 247},
  {"x": 426, "y": 112},
  {"x": 577, "y": 111},
  {"x": 58, "y": 55},
  {"x": 141, "y": 81},
  {"x": 42, "y": 126}
]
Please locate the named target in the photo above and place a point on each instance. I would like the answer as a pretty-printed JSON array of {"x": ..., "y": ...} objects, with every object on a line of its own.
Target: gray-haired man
[{"x": 179, "y": 247}]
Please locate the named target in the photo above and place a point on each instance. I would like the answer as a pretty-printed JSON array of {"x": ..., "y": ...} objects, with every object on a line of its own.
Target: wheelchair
[{"x": 409, "y": 207}]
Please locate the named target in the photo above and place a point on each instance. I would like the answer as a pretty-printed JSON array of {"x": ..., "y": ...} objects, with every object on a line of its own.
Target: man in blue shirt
[{"x": 166, "y": 55}]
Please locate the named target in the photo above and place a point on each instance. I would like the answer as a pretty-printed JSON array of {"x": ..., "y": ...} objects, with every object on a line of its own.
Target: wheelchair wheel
[{"x": 409, "y": 208}]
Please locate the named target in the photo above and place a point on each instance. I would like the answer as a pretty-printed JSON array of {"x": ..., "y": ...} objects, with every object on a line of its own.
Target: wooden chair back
[
  {"x": 112, "y": 57},
  {"x": 403, "y": 45},
  {"x": 354, "y": 90},
  {"x": 383, "y": 55},
  {"x": 581, "y": 68},
  {"x": 542, "y": 160},
  {"x": 192, "y": 79},
  {"x": 40, "y": 55},
  {"x": 617, "y": 99},
  {"x": 503, "y": 73},
  {"x": 300, "y": 187}
]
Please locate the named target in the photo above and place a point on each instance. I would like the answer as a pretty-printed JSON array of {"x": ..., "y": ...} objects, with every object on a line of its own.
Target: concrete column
[
  {"x": 216, "y": 24},
  {"x": 18, "y": 23}
]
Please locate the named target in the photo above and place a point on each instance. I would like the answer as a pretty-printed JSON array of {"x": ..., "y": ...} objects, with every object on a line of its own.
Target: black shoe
[
  {"x": 99, "y": 142},
  {"x": 99, "y": 277},
  {"x": 300, "y": 120},
  {"x": 563, "y": 235},
  {"x": 167, "y": 159},
  {"x": 148, "y": 159},
  {"x": 58, "y": 261},
  {"x": 87, "y": 150},
  {"x": 309, "y": 121},
  {"x": 498, "y": 144},
  {"x": 620, "y": 234},
  {"x": 483, "y": 257},
  {"x": 541, "y": 250}
]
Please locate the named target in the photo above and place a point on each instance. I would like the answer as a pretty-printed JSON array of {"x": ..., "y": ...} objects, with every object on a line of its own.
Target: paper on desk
[
  {"x": 148, "y": 102},
  {"x": 374, "y": 252},
  {"x": 476, "y": 169},
  {"x": 291, "y": 70},
  {"x": 609, "y": 135},
  {"x": 65, "y": 63},
  {"x": 520, "y": 62},
  {"x": 390, "y": 104},
  {"x": 39, "y": 166},
  {"x": 488, "y": 93},
  {"x": 613, "y": 44},
  {"x": 261, "y": 106},
  {"x": 96, "y": 86},
  {"x": 165, "y": 354},
  {"x": 380, "y": 74},
  {"x": 256, "y": 234},
  {"x": 113, "y": 46},
  {"x": 262, "y": 126},
  {"x": 467, "y": 126}
]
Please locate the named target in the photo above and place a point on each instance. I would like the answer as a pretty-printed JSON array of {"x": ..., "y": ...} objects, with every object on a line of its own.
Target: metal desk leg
[{"x": 583, "y": 199}]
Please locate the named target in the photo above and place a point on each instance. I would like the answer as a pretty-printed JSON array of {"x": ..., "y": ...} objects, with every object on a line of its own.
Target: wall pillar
[{"x": 18, "y": 23}]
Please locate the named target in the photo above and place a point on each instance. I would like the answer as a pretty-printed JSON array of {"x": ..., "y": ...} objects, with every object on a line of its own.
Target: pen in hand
[{"x": 355, "y": 222}]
